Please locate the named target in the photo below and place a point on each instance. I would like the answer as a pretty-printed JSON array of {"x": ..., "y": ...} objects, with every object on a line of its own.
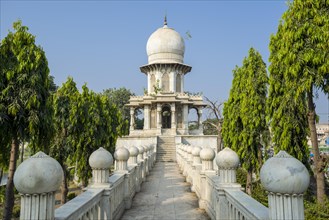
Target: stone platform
[{"x": 165, "y": 195}]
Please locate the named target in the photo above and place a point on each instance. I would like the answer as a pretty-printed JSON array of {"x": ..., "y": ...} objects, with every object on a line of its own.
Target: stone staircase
[{"x": 166, "y": 149}]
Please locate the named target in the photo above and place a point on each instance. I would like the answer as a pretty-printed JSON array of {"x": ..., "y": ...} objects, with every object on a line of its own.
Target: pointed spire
[{"x": 165, "y": 20}]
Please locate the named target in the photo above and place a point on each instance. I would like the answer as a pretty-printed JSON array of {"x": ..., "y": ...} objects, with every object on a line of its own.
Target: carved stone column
[
  {"x": 146, "y": 117},
  {"x": 173, "y": 116},
  {"x": 159, "y": 122},
  {"x": 132, "y": 118}
]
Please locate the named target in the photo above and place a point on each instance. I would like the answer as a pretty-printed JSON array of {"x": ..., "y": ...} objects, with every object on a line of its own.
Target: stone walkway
[{"x": 165, "y": 195}]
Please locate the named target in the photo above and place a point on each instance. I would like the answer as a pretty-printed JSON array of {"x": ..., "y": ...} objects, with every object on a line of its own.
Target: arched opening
[
  {"x": 178, "y": 83},
  {"x": 166, "y": 117},
  {"x": 165, "y": 82},
  {"x": 139, "y": 118},
  {"x": 193, "y": 119}
]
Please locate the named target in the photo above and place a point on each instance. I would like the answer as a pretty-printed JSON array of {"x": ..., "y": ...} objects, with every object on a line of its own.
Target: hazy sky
[{"x": 103, "y": 43}]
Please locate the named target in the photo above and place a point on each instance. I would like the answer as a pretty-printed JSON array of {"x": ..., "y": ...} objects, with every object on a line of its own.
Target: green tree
[
  {"x": 99, "y": 124},
  {"x": 300, "y": 62},
  {"x": 244, "y": 127},
  {"x": 64, "y": 101},
  {"x": 120, "y": 97},
  {"x": 23, "y": 96},
  {"x": 214, "y": 121}
]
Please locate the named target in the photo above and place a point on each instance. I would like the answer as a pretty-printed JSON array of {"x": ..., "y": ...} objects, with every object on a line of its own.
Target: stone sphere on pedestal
[
  {"x": 189, "y": 149},
  {"x": 133, "y": 151},
  {"x": 100, "y": 159},
  {"x": 227, "y": 159},
  {"x": 38, "y": 174},
  {"x": 196, "y": 151},
  {"x": 207, "y": 154},
  {"x": 284, "y": 174},
  {"x": 141, "y": 149},
  {"x": 121, "y": 153}
]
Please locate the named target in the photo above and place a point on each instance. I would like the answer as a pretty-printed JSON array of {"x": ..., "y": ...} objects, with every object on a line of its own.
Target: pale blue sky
[{"x": 103, "y": 43}]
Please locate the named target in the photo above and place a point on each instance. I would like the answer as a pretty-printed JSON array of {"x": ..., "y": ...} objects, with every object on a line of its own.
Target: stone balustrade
[
  {"x": 106, "y": 197},
  {"x": 284, "y": 177}
]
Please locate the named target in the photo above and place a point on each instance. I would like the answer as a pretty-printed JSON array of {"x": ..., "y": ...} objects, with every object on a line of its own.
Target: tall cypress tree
[
  {"x": 244, "y": 127},
  {"x": 300, "y": 64}
]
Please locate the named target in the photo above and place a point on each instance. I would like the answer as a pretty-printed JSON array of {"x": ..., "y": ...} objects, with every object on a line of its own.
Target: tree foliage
[
  {"x": 120, "y": 97},
  {"x": 64, "y": 101},
  {"x": 244, "y": 127},
  {"x": 299, "y": 66},
  {"x": 25, "y": 89},
  {"x": 98, "y": 123}
]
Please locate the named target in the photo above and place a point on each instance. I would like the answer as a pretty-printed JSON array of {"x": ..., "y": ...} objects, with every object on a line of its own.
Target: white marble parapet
[
  {"x": 242, "y": 206},
  {"x": 83, "y": 206}
]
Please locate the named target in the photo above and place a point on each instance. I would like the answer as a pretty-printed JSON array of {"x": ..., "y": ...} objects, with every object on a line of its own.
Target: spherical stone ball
[
  {"x": 133, "y": 151},
  {"x": 284, "y": 174},
  {"x": 146, "y": 148},
  {"x": 100, "y": 159},
  {"x": 121, "y": 154},
  {"x": 38, "y": 174},
  {"x": 196, "y": 151},
  {"x": 189, "y": 149},
  {"x": 207, "y": 154},
  {"x": 227, "y": 159},
  {"x": 141, "y": 149}
]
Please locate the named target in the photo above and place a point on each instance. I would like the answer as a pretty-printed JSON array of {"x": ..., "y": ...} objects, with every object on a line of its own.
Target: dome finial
[{"x": 165, "y": 20}]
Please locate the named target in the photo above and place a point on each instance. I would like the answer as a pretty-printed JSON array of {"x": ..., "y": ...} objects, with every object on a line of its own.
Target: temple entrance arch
[{"x": 166, "y": 117}]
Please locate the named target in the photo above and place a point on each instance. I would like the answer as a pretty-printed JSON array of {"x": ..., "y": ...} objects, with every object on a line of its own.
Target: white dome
[
  {"x": 227, "y": 159},
  {"x": 165, "y": 45},
  {"x": 121, "y": 153},
  {"x": 100, "y": 159},
  {"x": 207, "y": 154},
  {"x": 284, "y": 174},
  {"x": 38, "y": 174}
]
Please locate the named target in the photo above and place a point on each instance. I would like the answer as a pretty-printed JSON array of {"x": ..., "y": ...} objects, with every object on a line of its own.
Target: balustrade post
[
  {"x": 121, "y": 156},
  {"x": 146, "y": 161},
  {"x": 100, "y": 162},
  {"x": 37, "y": 180},
  {"x": 142, "y": 164},
  {"x": 133, "y": 152},
  {"x": 227, "y": 161},
  {"x": 207, "y": 156},
  {"x": 286, "y": 179},
  {"x": 196, "y": 162}
]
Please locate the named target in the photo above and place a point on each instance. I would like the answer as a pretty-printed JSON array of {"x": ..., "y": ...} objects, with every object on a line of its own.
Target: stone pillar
[
  {"x": 185, "y": 117},
  {"x": 173, "y": 116},
  {"x": 149, "y": 86},
  {"x": 159, "y": 121},
  {"x": 133, "y": 152},
  {"x": 200, "y": 125},
  {"x": 227, "y": 161},
  {"x": 146, "y": 117},
  {"x": 132, "y": 118},
  {"x": 207, "y": 156},
  {"x": 121, "y": 156},
  {"x": 37, "y": 179},
  {"x": 286, "y": 179},
  {"x": 100, "y": 162},
  {"x": 182, "y": 83}
]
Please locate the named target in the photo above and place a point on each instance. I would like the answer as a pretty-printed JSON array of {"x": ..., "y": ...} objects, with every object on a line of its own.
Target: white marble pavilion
[{"x": 165, "y": 105}]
